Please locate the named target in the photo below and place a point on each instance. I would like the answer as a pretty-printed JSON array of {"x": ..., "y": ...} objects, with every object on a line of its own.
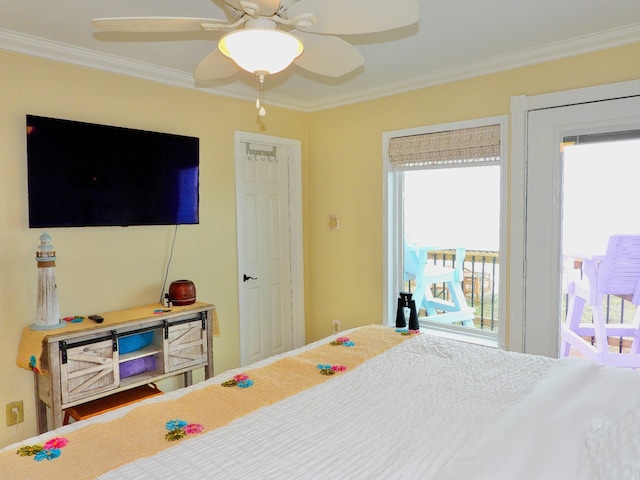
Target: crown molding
[
  {"x": 553, "y": 51},
  {"x": 62, "y": 52},
  {"x": 36, "y": 46}
]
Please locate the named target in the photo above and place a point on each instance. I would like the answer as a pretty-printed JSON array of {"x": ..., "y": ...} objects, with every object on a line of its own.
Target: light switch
[{"x": 333, "y": 222}]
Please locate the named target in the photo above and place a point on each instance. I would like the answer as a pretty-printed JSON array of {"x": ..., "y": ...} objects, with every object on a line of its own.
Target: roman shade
[{"x": 447, "y": 149}]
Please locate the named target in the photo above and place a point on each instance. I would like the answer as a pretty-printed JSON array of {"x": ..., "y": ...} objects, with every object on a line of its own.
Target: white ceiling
[{"x": 454, "y": 39}]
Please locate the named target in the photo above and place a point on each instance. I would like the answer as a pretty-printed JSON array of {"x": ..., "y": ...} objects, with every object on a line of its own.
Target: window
[{"x": 444, "y": 190}]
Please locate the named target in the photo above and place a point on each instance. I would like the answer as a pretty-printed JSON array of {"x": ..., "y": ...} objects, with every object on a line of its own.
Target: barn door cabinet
[{"x": 128, "y": 351}]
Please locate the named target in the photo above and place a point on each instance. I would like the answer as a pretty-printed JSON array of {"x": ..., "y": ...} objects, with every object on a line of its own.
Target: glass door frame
[{"x": 519, "y": 326}]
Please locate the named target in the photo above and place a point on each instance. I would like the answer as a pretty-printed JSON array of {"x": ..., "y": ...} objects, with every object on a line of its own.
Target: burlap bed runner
[{"x": 98, "y": 448}]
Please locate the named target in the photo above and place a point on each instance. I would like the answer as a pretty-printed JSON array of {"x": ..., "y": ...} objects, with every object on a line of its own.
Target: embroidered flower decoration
[
  {"x": 45, "y": 454},
  {"x": 33, "y": 363},
  {"x": 192, "y": 428},
  {"x": 29, "y": 450},
  {"x": 57, "y": 442},
  {"x": 174, "y": 435},
  {"x": 403, "y": 331},
  {"x": 344, "y": 341},
  {"x": 175, "y": 424},
  {"x": 241, "y": 380},
  {"x": 326, "y": 369},
  {"x": 178, "y": 429},
  {"x": 50, "y": 451}
]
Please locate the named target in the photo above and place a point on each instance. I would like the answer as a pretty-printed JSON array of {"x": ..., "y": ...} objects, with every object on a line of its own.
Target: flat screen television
[{"x": 84, "y": 174}]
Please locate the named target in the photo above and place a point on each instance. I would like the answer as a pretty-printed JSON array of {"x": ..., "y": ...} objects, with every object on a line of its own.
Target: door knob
[{"x": 246, "y": 277}]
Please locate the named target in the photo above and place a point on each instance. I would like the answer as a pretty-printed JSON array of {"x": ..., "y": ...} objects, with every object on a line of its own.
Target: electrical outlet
[
  {"x": 15, "y": 413},
  {"x": 336, "y": 326}
]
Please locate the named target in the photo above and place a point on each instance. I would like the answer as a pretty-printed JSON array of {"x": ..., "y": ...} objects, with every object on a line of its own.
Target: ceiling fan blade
[
  {"x": 214, "y": 67},
  {"x": 153, "y": 24},
  {"x": 346, "y": 17},
  {"x": 255, "y": 8},
  {"x": 327, "y": 55}
]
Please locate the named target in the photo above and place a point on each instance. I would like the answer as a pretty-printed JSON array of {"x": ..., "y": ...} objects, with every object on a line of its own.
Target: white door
[
  {"x": 269, "y": 245},
  {"x": 546, "y": 129}
]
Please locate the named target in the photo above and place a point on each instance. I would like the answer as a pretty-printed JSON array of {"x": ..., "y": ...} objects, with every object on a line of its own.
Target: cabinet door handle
[
  {"x": 63, "y": 351},
  {"x": 246, "y": 277}
]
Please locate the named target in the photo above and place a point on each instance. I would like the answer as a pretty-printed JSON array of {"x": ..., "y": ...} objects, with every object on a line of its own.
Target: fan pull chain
[{"x": 260, "y": 88}]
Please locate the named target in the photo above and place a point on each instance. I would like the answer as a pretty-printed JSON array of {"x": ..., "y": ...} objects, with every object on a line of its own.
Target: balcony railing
[{"x": 481, "y": 287}]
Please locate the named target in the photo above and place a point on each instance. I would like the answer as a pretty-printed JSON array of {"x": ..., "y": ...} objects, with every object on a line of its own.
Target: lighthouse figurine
[{"x": 48, "y": 310}]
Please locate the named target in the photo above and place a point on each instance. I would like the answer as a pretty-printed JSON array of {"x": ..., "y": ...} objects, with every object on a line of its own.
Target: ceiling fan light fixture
[{"x": 261, "y": 50}]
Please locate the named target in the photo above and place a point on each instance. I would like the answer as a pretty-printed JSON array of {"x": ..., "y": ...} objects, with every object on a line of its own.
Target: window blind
[{"x": 453, "y": 148}]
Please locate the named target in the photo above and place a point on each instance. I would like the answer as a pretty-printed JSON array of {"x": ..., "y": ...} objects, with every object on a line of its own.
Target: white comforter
[{"x": 404, "y": 414}]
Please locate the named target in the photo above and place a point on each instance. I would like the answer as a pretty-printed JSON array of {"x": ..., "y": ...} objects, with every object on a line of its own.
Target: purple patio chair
[{"x": 616, "y": 273}]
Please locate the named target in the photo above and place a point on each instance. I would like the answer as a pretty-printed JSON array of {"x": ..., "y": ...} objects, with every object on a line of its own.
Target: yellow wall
[
  {"x": 101, "y": 269},
  {"x": 344, "y": 268}
]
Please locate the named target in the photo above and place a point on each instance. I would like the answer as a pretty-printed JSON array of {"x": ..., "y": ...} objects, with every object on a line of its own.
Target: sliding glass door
[{"x": 588, "y": 220}]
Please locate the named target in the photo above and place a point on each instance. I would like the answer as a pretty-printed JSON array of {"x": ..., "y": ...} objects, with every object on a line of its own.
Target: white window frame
[{"x": 392, "y": 189}]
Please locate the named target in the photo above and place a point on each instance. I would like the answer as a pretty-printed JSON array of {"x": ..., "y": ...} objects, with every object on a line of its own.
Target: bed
[{"x": 369, "y": 403}]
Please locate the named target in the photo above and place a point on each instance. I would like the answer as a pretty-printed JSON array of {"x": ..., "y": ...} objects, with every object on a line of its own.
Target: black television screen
[{"x": 83, "y": 174}]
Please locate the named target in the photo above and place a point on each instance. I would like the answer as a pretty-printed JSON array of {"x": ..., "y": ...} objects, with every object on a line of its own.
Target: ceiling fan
[{"x": 266, "y": 36}]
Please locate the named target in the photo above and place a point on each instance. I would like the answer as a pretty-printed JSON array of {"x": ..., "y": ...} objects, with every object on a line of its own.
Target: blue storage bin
[{"x": 131, "y": 343}]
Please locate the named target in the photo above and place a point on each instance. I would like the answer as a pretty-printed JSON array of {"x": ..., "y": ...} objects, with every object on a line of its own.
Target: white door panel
[
  {"x": 266, "y": 238},
  {"x": 269, "y": 268}
]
